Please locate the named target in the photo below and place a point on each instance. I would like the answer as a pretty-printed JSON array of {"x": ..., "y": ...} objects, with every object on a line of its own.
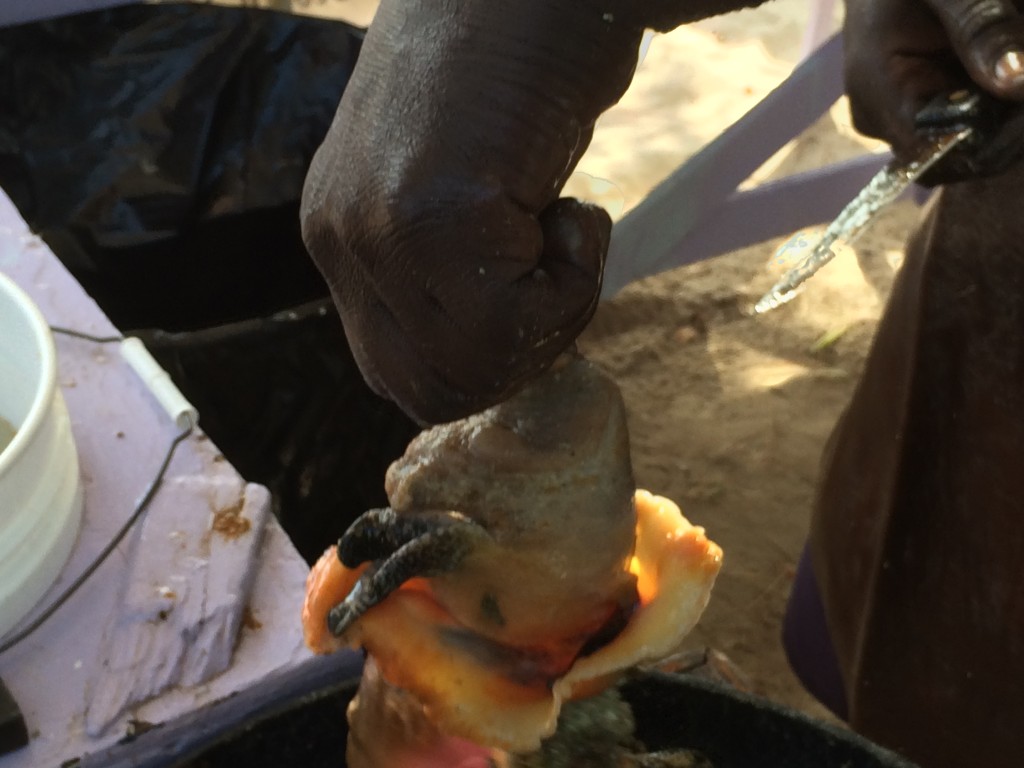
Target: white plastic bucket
[{"x": 40, "y": 492}]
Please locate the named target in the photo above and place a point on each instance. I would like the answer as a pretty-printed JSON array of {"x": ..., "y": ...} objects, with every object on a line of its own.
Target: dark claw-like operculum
[
  {"x": 379, "y": 533},
  {"x": 428, "y": 544},
  {"x": 374, "y": 534}
]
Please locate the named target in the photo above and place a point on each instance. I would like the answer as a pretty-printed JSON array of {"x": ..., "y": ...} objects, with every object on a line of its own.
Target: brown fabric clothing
[{"x": 916, "y": 536}]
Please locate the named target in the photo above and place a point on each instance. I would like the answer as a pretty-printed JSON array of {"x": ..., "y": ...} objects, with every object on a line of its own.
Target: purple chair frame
[{"x": 698, "y": 212}]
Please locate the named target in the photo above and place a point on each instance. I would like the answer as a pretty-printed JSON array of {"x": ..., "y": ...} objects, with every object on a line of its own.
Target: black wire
[
  {"x": 87, "y": 336},
  {"x": 140, "y": 507},
  {"x": 279, "y": 322}
]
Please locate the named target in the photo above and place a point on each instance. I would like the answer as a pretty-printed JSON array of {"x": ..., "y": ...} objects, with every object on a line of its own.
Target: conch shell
[{"x": 575, "y": 578}]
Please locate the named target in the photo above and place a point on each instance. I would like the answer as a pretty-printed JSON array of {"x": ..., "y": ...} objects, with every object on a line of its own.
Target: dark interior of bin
[{"x": 732, "y": 729}]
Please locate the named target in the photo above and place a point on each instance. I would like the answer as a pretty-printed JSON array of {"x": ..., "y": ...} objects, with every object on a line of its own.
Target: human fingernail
[{"x": 1010, "y": 68}]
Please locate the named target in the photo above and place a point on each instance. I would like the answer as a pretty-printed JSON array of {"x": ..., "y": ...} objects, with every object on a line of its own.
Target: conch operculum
[{"x": 577, "y": 579}]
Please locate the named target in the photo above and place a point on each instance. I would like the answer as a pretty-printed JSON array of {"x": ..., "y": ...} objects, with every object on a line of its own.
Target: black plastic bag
[
  {"x": 160, "y": 151},
  {"x": 284, "y": 400}
]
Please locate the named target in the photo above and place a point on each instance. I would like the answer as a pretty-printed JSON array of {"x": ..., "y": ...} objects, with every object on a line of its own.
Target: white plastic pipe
[{"x": 157, "y": 380}]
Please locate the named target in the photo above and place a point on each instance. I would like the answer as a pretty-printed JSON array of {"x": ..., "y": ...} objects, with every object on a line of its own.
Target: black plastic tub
[
  {"x": 732, "y": 729},
  {"x": 737, "y": 730}
]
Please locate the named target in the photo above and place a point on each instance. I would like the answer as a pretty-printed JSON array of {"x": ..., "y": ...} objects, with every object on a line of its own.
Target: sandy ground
[{"x": 729, "y": 412}]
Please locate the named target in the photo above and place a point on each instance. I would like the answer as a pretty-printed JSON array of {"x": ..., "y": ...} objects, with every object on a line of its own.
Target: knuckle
[{"x": 975, "y": 17}]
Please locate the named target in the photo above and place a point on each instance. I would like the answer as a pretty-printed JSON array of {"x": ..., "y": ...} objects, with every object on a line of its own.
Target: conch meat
[{"x": 516, "y": 568}]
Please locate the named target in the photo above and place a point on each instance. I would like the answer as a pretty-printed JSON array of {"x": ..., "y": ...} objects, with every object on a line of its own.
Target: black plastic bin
[{"x": 732, "y": 729}]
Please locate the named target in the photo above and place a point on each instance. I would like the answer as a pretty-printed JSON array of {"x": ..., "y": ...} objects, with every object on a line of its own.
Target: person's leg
[
  {"x": 917, "y": 537},
  {"x": 807, "y": 643}
]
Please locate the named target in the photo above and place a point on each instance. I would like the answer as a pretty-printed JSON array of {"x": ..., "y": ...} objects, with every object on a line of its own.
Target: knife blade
[{"x": 884, "y": 187}]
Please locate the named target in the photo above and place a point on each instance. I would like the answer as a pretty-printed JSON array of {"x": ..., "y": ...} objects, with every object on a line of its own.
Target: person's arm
[
  {"x": 433, "y": 208},
  {"x": 902, "y": 53}
]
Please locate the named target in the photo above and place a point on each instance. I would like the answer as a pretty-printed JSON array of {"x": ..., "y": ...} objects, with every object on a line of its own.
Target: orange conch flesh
[{"x": 419, "y": 647}]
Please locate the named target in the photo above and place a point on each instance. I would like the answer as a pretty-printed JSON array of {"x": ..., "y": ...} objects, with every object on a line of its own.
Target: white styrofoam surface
[{"x": 122, "y": 433}]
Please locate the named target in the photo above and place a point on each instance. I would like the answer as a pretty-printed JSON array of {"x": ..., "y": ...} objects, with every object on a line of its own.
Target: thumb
[
  {"x": 571, "y": 267},
  {"x": 551, "y": 304},
  {"x": 988, "y": 37}
]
